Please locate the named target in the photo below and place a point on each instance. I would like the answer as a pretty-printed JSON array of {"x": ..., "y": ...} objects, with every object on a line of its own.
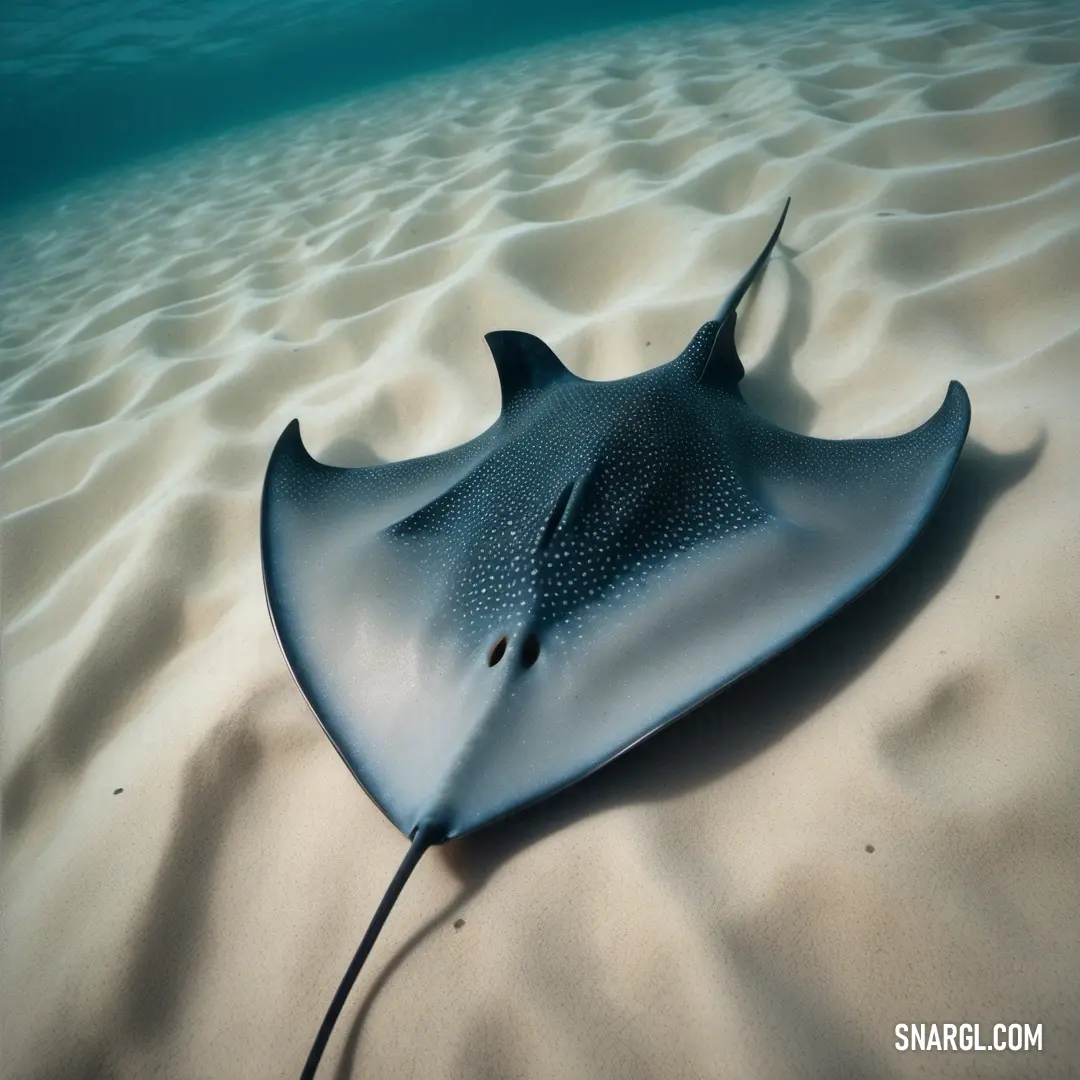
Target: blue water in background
[{"x": 87, "y": 86}]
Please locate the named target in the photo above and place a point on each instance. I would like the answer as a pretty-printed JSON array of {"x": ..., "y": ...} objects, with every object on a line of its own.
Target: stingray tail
[
  {"x": 740, "y": 290},
  {"x": 423, "y": 838}
]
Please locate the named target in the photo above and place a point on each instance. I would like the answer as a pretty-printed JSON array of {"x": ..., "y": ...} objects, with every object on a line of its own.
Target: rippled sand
[{"x": 882, "y": 826}]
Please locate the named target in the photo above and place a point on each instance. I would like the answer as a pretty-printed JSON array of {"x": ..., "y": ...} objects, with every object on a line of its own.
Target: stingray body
[{"x": 477, "y": 628}]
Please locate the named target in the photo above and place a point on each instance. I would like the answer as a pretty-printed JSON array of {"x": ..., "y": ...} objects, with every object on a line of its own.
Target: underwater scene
[{"x": 613, "y": 465}]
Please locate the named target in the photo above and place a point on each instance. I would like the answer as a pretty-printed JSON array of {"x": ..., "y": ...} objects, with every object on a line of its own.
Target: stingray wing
[{"x": 347, "y": 612}]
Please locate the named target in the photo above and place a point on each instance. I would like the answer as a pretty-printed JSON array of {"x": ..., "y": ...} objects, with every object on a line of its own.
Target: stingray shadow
[{"x": 746, "y": 718}]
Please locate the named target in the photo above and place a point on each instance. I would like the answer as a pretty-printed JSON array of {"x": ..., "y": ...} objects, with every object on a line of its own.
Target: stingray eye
[
  {"x": 530, "y": 651},
  {"x": 495, "y": 654}
]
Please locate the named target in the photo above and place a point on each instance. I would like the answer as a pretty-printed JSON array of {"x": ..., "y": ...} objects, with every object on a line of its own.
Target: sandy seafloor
[{"x": 708, "y": 906}]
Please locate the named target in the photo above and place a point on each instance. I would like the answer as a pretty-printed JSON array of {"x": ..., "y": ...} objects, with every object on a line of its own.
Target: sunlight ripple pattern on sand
[{"x": 716, "y": 897}]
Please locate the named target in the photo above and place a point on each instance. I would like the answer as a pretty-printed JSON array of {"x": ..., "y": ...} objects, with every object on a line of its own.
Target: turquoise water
[{"x": 89, "y": 86}]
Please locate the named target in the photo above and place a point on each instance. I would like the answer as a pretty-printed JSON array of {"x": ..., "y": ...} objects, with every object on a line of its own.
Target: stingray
[{"x": 479, "y": 628}]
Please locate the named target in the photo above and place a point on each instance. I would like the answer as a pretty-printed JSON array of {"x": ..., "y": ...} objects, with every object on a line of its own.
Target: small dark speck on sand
[
  {"x": 647, "y": 344},
  {"x": 459, "y": 923},
  {"x": 886, "y": 213},
  {"x": 869, "y": 849},
  {"x": 118, "y": 790},
  {"x": 997, "y": 596}
]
